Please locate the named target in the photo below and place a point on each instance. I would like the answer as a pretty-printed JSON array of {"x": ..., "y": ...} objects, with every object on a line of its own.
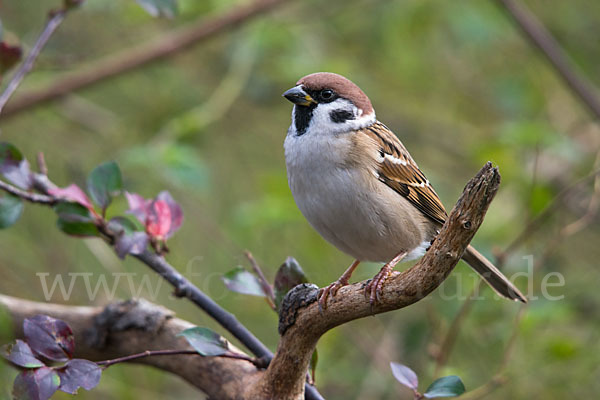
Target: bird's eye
[{"x": 326, "y": 94}]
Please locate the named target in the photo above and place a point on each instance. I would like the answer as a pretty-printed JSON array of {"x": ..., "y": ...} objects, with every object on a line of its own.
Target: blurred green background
[{"x": 454, "y": 79}]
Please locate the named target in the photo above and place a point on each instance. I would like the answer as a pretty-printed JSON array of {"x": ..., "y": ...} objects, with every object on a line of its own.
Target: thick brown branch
[
  {"x": 131, "y": 59},
  {"x": 301, "y": 323},
  {"x": 126, "y": 328}
]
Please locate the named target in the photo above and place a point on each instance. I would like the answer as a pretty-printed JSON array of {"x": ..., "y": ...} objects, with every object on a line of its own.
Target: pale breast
[{"x": 346, "y": 204}]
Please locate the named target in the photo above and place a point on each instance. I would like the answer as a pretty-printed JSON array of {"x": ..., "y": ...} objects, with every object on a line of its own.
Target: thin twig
[
  {"x": 540, "y": 37},
  {"x": 512, "y": 340},
  {"x": 41, "y": 163},
  {"x": 592, "y": 208},
  {"x": 56, "y": 18},
  {"x": 454, "y": 329},
  {"x": 152, "y": 353},
  {"x": 499, "y": 377},
  {"x": 130, "y": 59},
  {"x": 537, "y": 222},
  {"x": 31, "y": 197},
  {"x": 266, "y": 286},
  {"x": 147, "y": 353},
  {"x": 184, "y": 288}
]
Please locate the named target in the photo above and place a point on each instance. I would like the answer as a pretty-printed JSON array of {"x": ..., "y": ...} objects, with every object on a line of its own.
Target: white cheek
[{"x": 321, "y": 122}]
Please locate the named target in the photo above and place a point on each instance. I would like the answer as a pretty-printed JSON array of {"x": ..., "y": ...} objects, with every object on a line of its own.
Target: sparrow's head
[{"x": 328, "y": 103}]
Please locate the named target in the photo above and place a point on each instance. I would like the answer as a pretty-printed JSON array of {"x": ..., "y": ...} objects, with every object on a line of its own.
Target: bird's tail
[{"x": 492, "y": 275}]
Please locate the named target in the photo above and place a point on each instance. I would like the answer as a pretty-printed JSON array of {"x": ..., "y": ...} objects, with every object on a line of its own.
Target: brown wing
[{"x": 398, "y": 170}]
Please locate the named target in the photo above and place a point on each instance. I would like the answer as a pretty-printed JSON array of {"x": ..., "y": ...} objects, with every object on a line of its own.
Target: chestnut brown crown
[{"x": 344, "y": 87}]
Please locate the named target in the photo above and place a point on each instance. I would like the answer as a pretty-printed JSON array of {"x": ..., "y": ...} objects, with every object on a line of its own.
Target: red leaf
[
  {"x": 50, "y": 337},
  {"x": 158, "y": 223},
  {"x": 176, "y": 212},
  {"x": 73, "y": 193},
  {"x": 138, "y": 206},
  {"x": 9, "y": 56},
  {"x": 161, "y": 216}
]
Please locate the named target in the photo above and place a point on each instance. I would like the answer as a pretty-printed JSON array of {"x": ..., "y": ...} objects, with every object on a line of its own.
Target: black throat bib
[{"x": 302, "y": 117}]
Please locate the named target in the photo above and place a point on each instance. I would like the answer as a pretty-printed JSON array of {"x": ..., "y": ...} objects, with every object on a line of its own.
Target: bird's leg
[
  {"x": 373, "y": 288},
  {"x": 333, "y": 288}
]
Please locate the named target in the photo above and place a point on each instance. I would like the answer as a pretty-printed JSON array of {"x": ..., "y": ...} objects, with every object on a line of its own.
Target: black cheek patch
[{"x": 339, "y": 116}]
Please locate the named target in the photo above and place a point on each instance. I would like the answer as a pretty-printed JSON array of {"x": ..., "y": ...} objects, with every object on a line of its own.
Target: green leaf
[
  {"x": 159, "y": 8},
  {"x": 105, "y": 182},
  {"x": 205, "y": 341},
  {"x": 75, "y": 219},
  {"x": 448, "y": 386},
  {"x": 241, "y": 281},
  {"x": 290, "y": 274},
  {"x": 73, "y": 212},
  {"x": 11, "y": 208},
  {"x": 314, "y": 359},
  {"x": 77, "y": 228}
]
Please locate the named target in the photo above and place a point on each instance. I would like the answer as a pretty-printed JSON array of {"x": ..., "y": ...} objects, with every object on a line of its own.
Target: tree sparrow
[{"x": 358, "y": 186}]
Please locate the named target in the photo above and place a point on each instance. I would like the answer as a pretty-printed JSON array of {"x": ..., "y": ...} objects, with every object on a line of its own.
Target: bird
[{"x": 359, "y": 187}]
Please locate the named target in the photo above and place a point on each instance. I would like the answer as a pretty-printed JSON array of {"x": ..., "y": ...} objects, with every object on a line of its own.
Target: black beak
[{"x": 298, "y": 96}]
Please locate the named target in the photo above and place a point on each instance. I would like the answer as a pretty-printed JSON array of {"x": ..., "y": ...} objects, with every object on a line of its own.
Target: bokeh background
[{"x": 454, "y": 79}]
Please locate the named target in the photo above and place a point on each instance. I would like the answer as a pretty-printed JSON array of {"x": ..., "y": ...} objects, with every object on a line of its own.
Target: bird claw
[
  {"x": 375, "y": 285},
  {"x": 327, "y": 290}
]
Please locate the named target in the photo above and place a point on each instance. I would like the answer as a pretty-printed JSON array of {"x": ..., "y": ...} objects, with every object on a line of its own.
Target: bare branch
[
  {"x": 441, "y": 357},
  {"x": 41, "y": 163},
  {"x": 301, "y": 324},
  {"x": 131, "y": 59},
  {"x": 264, "y": 283},
  {"x": 28, "y": 196},
  {"x": 185, "y": 288},
  {"x": 539, "y": 36},
  {"x": 55, "y": 19},
  {"x": 153, "y": 353}
]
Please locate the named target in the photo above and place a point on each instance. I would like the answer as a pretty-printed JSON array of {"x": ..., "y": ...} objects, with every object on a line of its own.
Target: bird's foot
[
  {"x": 375, "y": 285},
  {"x": 330, "y": 289},
  {"x": 333, "y": 288},
  {"x": 373, "y": 288}
]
